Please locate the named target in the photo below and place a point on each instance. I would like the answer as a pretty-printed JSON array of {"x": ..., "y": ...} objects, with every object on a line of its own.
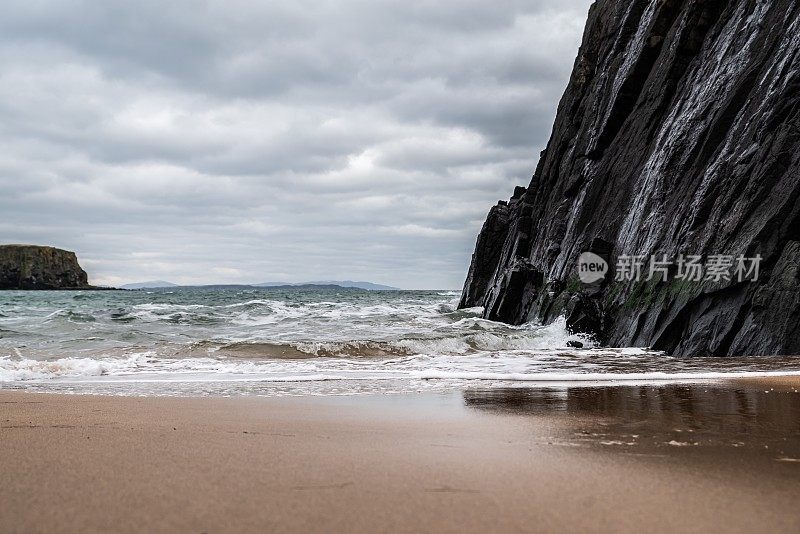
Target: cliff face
[
  {"x": 678, "y": 134},
  {"x": 35, "y": 267}
]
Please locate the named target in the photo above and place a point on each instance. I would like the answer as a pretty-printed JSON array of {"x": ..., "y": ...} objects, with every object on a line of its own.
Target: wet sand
[{"x": 703, "y": 457}]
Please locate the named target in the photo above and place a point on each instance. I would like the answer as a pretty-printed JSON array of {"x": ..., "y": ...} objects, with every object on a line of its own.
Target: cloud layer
[{"x": 227, "y": 141}]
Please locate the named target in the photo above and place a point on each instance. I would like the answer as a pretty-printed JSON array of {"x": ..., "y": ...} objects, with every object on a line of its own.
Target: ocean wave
[
  {"x": 399, "y": 341},
  {"x": 511, "y": 367},
  {"x": 15, "y": 370},
  {"x": 69, "y": 316},
  {"x": 466, "y": 336},
  {"x": 307, "y": 350}
]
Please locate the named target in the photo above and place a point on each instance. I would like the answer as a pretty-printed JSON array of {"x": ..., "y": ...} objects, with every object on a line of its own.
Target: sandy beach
[{"x": 708, "y": 457}]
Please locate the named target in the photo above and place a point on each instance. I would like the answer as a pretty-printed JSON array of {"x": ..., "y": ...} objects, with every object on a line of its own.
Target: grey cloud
[{"x": 240, "y": 142}]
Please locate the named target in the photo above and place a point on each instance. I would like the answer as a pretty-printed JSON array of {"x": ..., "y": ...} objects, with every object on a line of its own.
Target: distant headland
[
  {"x": 39, "y": 267},
  {"x": 328, "y": 284}
]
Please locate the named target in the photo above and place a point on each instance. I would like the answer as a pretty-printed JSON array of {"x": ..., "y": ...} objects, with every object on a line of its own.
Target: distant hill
[
  {"x": 285, "y": 287},
  {"x": 341, "y": 283},
  {"x": 361, "y": 285},
  {"x": 332, "y": 284},
  {"x": 149, "y": 285}
]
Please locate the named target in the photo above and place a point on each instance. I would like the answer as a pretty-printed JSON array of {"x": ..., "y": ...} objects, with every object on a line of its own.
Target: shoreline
[
  {"x": 212, "y": 386},
  {"x": 723, "y": 456}
]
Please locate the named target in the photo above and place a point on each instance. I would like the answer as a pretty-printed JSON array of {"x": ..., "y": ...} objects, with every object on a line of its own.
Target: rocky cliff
[
  {"x": 35, "y": 267},
  {"x": 678, "y": 134}
]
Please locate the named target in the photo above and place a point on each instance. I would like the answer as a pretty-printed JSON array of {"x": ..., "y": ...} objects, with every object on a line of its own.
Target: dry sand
[{"x": 698, "y": 458}]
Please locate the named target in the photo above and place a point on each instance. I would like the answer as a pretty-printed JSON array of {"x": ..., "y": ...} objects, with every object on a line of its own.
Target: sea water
[{"x": 230, "y": 341}]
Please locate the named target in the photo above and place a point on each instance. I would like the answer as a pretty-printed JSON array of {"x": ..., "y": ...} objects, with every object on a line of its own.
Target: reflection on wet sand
[{"x": 737, "y": 417}]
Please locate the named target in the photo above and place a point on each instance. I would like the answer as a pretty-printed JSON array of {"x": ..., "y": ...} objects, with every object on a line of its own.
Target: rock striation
[
  {"x": 37, "y": 267},
  {"x": 678, "y": 134}
]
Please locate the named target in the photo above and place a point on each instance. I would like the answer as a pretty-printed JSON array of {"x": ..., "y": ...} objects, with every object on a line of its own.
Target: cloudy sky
[{"x": 243, "y": 141}]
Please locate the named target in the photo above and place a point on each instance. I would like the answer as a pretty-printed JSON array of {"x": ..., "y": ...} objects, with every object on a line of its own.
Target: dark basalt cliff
[
  {"x": 35, "y": 267},
  {"x": 679, "y": 133}
]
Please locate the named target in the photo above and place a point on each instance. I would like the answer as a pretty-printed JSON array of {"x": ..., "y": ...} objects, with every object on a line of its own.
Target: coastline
[{"x": 697, "y": 457}]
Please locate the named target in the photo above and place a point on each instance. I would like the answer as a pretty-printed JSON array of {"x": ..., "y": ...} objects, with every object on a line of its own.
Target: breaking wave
[{"x": 306, "y": 342}]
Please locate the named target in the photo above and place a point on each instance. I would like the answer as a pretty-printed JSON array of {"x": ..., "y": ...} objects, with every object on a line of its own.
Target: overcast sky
[{"x": 237, "y": 141}]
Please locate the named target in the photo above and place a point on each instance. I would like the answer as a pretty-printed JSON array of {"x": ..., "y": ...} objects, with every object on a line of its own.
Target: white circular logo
[{"x": 591, "y": 267}]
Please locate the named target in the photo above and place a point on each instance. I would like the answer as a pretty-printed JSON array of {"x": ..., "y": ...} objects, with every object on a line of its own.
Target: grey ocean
[{"x": 229, "y": 341}]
